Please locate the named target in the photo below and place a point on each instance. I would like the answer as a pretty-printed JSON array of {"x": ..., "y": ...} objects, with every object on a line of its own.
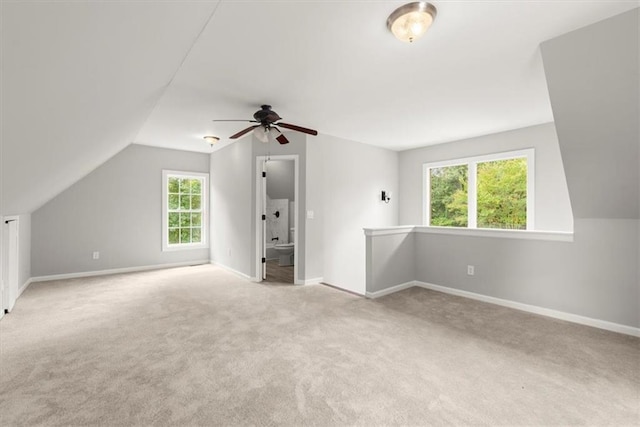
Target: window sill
[
  {"x": 556, "y": 236},
  {"x": 184, "y": 247}
]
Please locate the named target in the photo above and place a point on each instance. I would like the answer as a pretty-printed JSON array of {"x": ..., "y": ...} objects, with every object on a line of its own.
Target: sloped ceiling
[
  {"x": 78, "y": 81},
  {"x": 81, "y": 80}
]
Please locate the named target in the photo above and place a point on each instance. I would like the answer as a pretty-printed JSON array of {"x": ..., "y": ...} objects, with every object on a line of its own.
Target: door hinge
[
  {"x": 264, "y": 217},
  {"x": 264, "y": 260},
  {"x": 264, "y": 174}
]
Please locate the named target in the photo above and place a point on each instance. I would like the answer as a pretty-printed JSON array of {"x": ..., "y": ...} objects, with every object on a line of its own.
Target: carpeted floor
[{"x": 199, "y": 346}]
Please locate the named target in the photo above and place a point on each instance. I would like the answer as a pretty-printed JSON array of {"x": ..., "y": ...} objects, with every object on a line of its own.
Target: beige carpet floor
[{"x": 199, "y": 346}]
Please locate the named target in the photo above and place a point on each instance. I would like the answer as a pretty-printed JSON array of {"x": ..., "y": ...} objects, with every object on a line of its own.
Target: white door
[
  {"x": 264, "y": 220},
  {"x": 10, "y": 263}
]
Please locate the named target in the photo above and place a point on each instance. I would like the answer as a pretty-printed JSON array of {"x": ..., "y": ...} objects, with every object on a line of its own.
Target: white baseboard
[
  {"x": 315, "y": 281},
  {"x": 396, "y": 288},
  {"x": 24, "y": 287},
  {"x": 231, "y": 270},
  {"x": 114, "y": 271},
  {"x": 569, "y": 317}
]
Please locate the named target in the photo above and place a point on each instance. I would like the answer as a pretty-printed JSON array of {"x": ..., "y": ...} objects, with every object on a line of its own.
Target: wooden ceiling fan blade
[
  {"x": 298, "y": 128},
  {"x": 242, "y": 132},
  {"x": 282, "y": 139}
]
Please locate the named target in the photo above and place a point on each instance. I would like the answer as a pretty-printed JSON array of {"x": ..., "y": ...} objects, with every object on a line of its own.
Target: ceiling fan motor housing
[{"x": 266, "y": 115}]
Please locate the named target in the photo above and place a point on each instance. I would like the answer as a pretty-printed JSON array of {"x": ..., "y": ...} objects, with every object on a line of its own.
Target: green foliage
[
  {"x": 174, "y": 236},
  {"x": 195, "y": 186},
  {"x": 174, "y": 219},
  {"x": 185, "y": 235},
  {"x": 502, "y": 194},
  {"x": 195, "y": 202},
  {"x": 185, "y": 195},
  {"x": 174, "y": 186},
  {"x": 173, "y": 201},
  {"x": 185, "y": 202},
  {"x": 185, "y": 185},
  {"x": 185, "y": 220},
  {"x": 449, "y": 196}
]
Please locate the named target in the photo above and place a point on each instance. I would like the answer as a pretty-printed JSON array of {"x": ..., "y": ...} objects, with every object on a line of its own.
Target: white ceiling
[
  {"x": 82, "y": 80},
  {"x": 334, "y": 66}
]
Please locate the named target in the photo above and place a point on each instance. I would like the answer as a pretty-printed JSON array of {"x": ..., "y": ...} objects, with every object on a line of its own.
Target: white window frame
[
  {"x": 472, "y": 168},
  {"x": 204, "y": 204}
]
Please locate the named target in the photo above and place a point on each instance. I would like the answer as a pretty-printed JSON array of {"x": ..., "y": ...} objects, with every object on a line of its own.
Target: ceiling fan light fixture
[
  {"x": 409, "y": 22},
  {"x": 211, "y": 139},
  {"x": 262, "y": 133}
]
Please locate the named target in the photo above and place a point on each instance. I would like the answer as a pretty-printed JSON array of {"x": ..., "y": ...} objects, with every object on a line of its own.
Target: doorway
[
  {"x": 277, "y": 195},
  {"x": 9, "y": 263}
]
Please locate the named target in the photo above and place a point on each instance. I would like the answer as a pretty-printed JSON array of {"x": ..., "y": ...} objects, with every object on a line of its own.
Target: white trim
[
  {"x": 315, "y": 281},
  {"x": 204, "y": 204},
  {"x": 258, "y": 213},
  {"x": 547, "y": 312},
  {"x": 554, "y": 236},
  {"x": 472, "y": 195},
  {"x": 24, "y": 287},
  {"x": 557, "y": 236},
  {"x": 231, "y": 270},
  {"x": 472, "y": 164},
  {"x": 116, "y": 271},
  {"x": 561, "y": 315},
  {"x": 387, "y": 291},
  {"x": 403, "y": 229}
]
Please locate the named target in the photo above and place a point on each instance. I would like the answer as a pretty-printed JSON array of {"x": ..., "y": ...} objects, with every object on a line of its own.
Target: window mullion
[{"x": 472, "y": 196}]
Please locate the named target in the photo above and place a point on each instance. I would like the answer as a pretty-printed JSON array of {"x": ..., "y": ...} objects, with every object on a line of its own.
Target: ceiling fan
[{"x": 266, "y": 119}]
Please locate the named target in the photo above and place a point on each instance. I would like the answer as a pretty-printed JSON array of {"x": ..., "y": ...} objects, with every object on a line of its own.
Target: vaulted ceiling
[{"x": 82, "y": 80}]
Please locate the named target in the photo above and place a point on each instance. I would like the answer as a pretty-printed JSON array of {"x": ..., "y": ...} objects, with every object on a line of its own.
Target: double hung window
[
  {"x": 493, "y": 191},
  {"x": 184, "y": 206}
]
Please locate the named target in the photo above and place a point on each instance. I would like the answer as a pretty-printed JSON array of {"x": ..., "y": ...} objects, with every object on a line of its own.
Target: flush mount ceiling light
[
  {"x": 412, "y": 20},
  {"x": 211, "y": 139}
]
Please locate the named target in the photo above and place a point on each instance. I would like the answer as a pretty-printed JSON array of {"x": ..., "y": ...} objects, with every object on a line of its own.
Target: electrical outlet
[
  {"x": 96, "y": 255},
  {"x": 470, "y": 270}
]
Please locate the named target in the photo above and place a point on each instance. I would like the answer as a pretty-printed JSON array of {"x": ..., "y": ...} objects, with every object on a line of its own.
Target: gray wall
[
  {"x": 340, "y": 181},
  {"x": 391, "y": 260},
  {"x": 297, "y": 145},
  {"x": 589, "y": 277},
  {"x": 597, "y": 274},
  {"x": 593, "y": 79},
  {"x": 280, "y": 180},
  {"x": 552, "y": 205},
  {"x": 314, "y": 245},
  {"x": 24, "y": 249},
  {"x": 231, "y": 214},
  {"x": 116, "y": 210},
  {"x": 350, "y": 176}
]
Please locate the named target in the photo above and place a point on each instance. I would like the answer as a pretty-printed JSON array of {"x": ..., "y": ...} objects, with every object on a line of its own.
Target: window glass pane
[
  {"x": 195, "y": 235},
  {"x": 173, "y": 185},
  {"x": 174, "y": 219},
  {"x": 196, "y": 186},
  {"x": 173, "y": 201},
  {"x": 448, "y": 195},
  {"x": 185, "y": 202},
  {"x": 185, "y": 220},
  {"x": 174, "y": 236},
  {"x": 195, "y": 219},
  {"x": 195, "y": 202},
  {"x": 502, "y": 194},
  {"x": 185, "y": 235},
  {"x": 185, "y": 185}
]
